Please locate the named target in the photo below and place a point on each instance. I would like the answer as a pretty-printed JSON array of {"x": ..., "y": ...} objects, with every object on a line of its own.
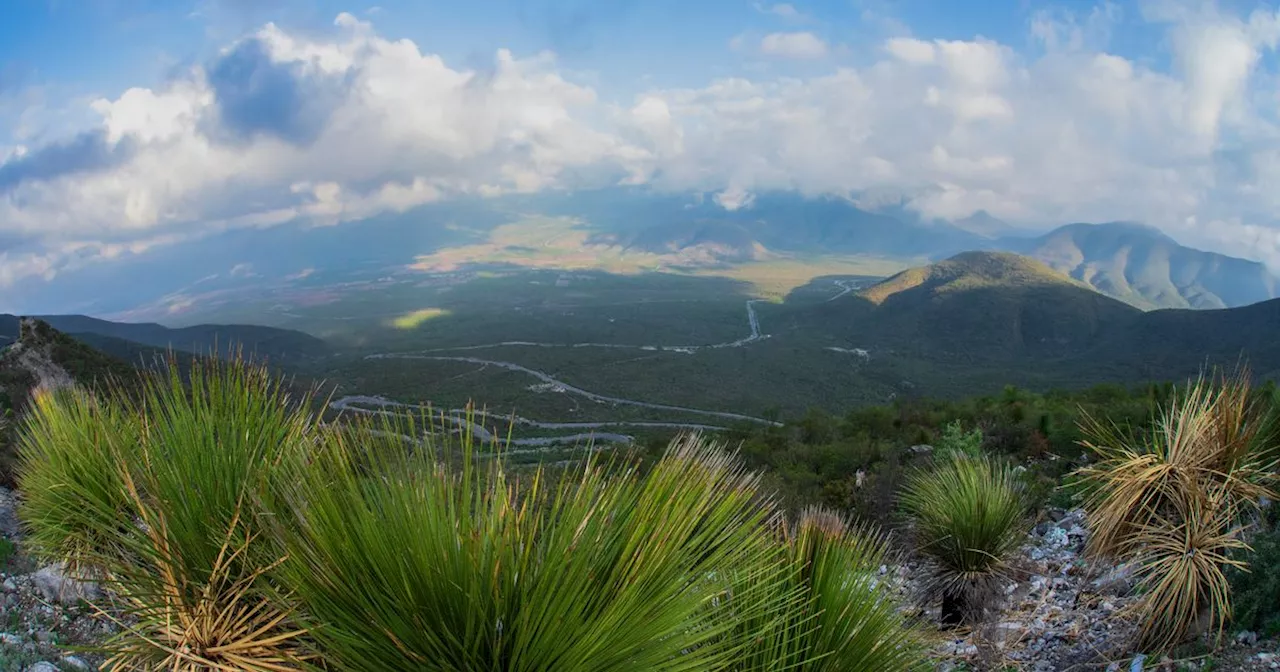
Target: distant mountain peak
[{"x": 1141, "y": 265}]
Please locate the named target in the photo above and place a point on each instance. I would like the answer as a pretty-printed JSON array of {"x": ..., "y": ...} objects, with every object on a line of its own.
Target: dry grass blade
[
  {"x": 1173, "y": 501},
  {"x": 214, "y": 622}
]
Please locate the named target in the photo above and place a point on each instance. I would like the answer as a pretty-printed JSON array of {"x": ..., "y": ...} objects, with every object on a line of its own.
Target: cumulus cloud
[
  {"x": 281, "y": 126},
  {"x": 802, "y": 45},
  {"x": 330, "y": 129}
]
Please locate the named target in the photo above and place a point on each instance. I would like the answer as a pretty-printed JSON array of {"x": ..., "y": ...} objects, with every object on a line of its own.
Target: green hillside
[
  {"x": 269, "y": 342},
  {"x": 985, "y": 306}
]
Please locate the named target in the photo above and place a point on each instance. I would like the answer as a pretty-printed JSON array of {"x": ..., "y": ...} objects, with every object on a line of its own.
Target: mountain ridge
[
  {"x": 1147, "y": 268},
  {"x": 270, "y": 342}
]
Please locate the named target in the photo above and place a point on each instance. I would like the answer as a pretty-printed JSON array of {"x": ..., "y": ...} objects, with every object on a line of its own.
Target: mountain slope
[
  {"x": 979, "y": 321},
  {"x": 1144, "y": 267},
  {"x": 270, "y": 342},
  {"x": 975, "y": 306},
  {"x": 40, "y": 357}
]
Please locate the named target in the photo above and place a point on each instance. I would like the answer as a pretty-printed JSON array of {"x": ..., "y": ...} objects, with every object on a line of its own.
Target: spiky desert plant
[
  {"x": 171, "y": 512},
  {"x": 832, "y": 612},
  {"x": 1173, "y": 500},
  {"x": 412, "y": 559},
  {"x": 76, "y": 507},
  {"x": 970, "y": 517}
]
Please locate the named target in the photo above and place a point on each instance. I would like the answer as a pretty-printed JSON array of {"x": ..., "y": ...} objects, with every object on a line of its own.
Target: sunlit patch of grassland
[
  {"x": 564, "y": 243},
  {"x": 542, "y": 242},
  {"x": 776, "y": 277},
  {"x": 414, "y": 319}
]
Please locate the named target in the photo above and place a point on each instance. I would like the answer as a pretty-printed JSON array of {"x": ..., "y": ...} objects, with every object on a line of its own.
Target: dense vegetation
[
  {"x": 271, "y": 541},
  {"x": 857, "y": 461}
]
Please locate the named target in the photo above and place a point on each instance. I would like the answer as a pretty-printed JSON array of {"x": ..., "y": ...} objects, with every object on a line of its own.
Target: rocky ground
[
  {"x": 1061, "y": 613},
  {"x": 1058, "y": 613},
  {"x": 44, "y": 618}
]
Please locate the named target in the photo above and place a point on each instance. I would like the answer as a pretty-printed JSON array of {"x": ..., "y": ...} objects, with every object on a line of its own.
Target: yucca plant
[
  {"x": 164, "y": 496},
  {"x": 831, "y": 612},
  {"x": 970, "y": 517},
  {"x": 429, "y": 559},
  {"x": 1174, "y": 500},
  {"x": 76, "y": 506}
]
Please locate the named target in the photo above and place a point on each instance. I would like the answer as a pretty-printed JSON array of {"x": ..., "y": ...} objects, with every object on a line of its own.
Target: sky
[{"x": 128, "y": 127}]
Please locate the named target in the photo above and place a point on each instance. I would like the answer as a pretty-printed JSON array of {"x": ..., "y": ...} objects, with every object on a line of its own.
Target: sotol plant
[
  {"x": 460, "y": 565},
  {"x": 834, "y": 615},
  {"x": 970, "y": 515},
  {"x": 1174, "y": 500},
  {"x": 162, "y": 498}
]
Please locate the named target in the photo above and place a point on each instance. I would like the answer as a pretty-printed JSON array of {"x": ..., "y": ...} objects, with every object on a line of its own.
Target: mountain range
[
  {"x": 1144, "y": 267},
  {"x": 1004, "y": 311},
  {"x": 130, "y": 340},
  {"x": 1134, "y": 263}
]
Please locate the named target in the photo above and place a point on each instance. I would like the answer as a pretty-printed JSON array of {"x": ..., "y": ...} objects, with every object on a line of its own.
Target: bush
[
  {"x": 164, "y": 499},
  {"x": 957, "y": 441},
  {"x": 970, "y": 515},
  {"x": 458, "y": 568},
  {"x": 1255, "y": 591},
  {"x": 1173, "y": 501},
  {"x": 843, "y": 622}
]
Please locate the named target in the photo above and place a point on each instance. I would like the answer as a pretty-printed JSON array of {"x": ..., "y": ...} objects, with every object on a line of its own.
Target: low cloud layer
[{"x": 281, "y": 126}]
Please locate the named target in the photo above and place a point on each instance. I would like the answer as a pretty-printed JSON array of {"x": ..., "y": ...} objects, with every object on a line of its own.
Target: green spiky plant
[
  {"x": 457, "y": 567},
  {"x": 162, "y": 498},
  {"x": 831, "y": 611},
  {"x": 1174, "y": 501},
  {"x": 970, "y": 517}
]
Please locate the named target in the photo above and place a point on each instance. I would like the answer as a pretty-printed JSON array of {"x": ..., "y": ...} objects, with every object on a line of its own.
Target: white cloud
[
  {"x": 784, "y": 10},
  {"x": 911, "y": 50},
  {"x": 800, "y": 45},
  {"x": 369, "y": 125}
]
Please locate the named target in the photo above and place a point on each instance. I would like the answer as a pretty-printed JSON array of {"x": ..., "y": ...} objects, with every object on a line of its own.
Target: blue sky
[
  {"x": 133, "y": 127},
  {"x": 77, "y": 48}
]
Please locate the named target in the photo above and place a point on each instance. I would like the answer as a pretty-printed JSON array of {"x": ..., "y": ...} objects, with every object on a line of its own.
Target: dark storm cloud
[
  {"x": 87, "y": 152},
  {"x": 256, "y": 95}
]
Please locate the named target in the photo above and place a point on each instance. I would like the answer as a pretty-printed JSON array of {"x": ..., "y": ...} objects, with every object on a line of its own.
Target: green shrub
[
  {"x": 1255, "y": 591},
  {"x": 162, "y": 498},
  {"x": 680, "y": 568},
  {"x": 970, "y": 515},
  {"x": 424, "y": 561},
  {"x": 955, "y": 440},
  {"x": 843, "y": 622}
]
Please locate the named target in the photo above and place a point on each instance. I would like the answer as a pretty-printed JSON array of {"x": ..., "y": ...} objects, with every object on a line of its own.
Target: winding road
[
  {"x": 752, "y": 319},
  {"x": 361, "y": 403},
  {"x": 846, "y": 286},
  {"x": 459, "y": 417}
]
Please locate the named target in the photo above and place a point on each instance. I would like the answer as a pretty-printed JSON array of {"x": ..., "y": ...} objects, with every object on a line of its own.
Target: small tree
[{"x": 955, "y": 440}]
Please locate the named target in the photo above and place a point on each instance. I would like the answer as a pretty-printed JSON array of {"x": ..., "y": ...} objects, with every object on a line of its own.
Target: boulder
[
  {"x": 1118, "y": 581},
  {"x": 56, "y": 585},
  {"x": 8, "y": 514}
]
